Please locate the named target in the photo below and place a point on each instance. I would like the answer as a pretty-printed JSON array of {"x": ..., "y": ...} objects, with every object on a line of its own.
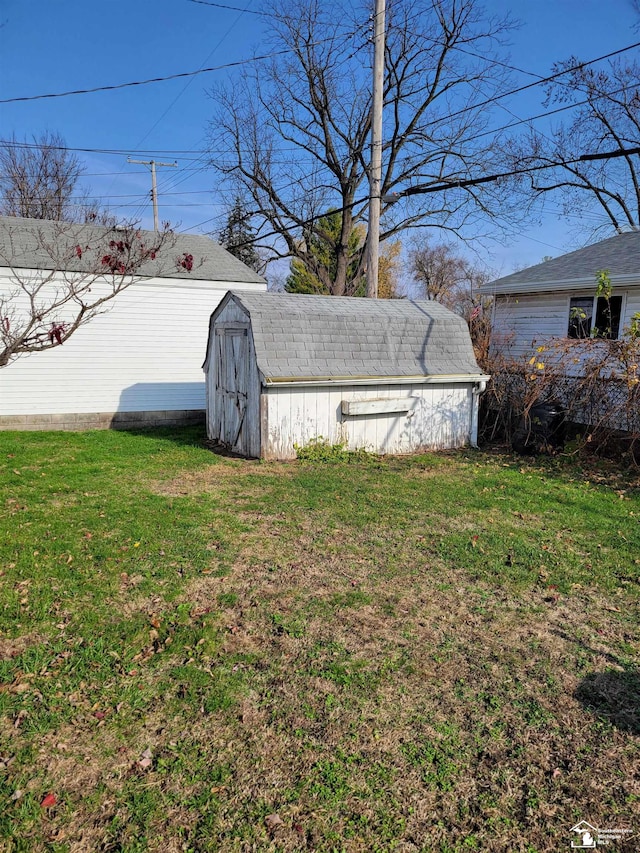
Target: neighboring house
[
  {"x": 389, "y": 376},
  {"x": 564, "y": 341},
  {"x": 556, "y": 300},
  {"x": 137, "y": 364}
]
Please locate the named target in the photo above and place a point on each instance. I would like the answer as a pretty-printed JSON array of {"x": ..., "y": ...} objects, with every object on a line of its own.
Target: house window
[{"x": 607, "y": 317}]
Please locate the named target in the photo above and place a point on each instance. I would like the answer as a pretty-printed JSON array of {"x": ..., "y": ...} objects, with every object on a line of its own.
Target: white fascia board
[
  {"x": 201, "y": 284},
  {"x": 443, "y": 379},
  {"x": 568, "y": 284}
]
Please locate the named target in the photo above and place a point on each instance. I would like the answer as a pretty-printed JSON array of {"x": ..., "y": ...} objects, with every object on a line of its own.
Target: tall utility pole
[
  {"x": 154, "y": 189},
  {"x": 375, "y": 173}
]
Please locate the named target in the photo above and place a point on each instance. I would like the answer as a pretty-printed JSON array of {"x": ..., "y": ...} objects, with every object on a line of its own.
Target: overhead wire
[
  {"x": 152, "y": 80},
  {"x": 225, "y": 6},
  {"x": 456, "y": 184}
]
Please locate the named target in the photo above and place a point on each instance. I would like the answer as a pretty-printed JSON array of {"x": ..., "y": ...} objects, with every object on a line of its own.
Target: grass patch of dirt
[{"x": 428, "y": 654}]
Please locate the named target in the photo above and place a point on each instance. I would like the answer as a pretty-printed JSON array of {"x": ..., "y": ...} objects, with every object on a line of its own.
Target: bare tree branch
[
  {"x": 58, "y": 276},
  {"x": 299, "y": 128},
  {"x": 608, "y": 121}
]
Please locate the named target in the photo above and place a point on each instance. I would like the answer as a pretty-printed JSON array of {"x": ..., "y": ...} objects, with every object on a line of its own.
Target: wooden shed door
[{"x": 232, "y": 370}]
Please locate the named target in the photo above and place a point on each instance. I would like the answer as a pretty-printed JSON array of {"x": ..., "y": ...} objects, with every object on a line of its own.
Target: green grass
[{"x": 437, "y": 653}]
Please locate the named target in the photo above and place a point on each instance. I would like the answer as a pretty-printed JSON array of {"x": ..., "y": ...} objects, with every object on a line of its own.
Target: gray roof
[
  {"x": 43, "y": 244},
  {"x": 619, "y": 255},
  {"x": 328, "y": 337}
]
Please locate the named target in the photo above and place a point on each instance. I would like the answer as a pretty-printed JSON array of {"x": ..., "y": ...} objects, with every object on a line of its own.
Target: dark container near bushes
[{"x": 543, "y": 429}]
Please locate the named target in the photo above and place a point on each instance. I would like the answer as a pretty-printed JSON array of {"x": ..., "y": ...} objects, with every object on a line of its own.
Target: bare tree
[
  {"x": 606, "y": 120},
  {"x": 440, "y": 272},
  {"x": 298, "y": 126},
  {"x": 444, "y": 275},
  {"x": 38, "y": 179},
  {"x": 58, "y": 276}
]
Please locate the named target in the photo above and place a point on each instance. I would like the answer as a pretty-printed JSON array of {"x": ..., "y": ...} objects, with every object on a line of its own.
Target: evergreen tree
[
  {"x": 238, "y": 237},
  {"x": 322, "y": 249}
]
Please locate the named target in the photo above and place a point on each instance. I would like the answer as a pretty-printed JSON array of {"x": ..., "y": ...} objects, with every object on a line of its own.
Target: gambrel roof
[
  {"x": 619, "y": 255},
  {"x": 306, "y": 338},
  {"x": 41, "y": 244}
]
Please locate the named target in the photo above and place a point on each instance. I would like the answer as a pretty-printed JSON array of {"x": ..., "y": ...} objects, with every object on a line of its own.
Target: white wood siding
[
  {"x": 144, "y": 354},
  {"x": 523, "y": 323},
  {"x": 440, "y": 417}
]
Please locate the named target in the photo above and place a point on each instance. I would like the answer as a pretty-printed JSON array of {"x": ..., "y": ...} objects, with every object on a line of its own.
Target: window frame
[{"x": 594, "y": 314}]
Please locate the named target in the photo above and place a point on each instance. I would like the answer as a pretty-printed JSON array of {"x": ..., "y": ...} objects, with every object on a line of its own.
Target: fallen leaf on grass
[
  {"x": 49, "y": 801},
  {"x": 146, "y": 759},
  {"x": 273, "y": 821},
  {"x": 21, "y": 715}
]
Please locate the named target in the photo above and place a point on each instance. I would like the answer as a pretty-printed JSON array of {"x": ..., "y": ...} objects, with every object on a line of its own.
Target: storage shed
[{"x": 389, "y": 376}]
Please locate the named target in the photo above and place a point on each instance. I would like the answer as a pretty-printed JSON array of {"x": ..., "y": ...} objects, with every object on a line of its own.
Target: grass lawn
[{"x": 207, "y": 654}]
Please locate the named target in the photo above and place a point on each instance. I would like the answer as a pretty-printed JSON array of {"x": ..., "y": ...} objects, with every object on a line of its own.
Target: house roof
[
  {"x": 619, "y": 255},
  {"x": 43, "y": 244},
  {"x": 302, "y": 338}
]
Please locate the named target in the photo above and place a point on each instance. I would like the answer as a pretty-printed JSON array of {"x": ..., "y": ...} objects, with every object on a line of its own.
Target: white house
[
  {"x": 137, "y": 364},
  {"x": 556, "y": 300},
  {"x": 550, "y": 323},
  {"x": 389, "y": 376}
]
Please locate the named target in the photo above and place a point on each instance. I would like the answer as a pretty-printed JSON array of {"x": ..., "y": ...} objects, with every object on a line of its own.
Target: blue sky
[{"x": 53, "y": 47}]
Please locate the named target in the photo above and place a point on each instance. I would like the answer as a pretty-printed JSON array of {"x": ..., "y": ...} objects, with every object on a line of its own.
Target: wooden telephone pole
[
  {"x": 375, "y": 172},
  {"x": 154, "y": 189}
]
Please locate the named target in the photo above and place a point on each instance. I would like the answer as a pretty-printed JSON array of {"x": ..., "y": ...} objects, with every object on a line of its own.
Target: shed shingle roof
[
  {"x": 24, "y": 242},
  {"x": 620, "y": 255},
  {"x": 314, "y": 337}
]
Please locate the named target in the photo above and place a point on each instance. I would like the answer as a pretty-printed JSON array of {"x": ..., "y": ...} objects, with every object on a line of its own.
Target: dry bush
[{"x": 595, "y": 381}]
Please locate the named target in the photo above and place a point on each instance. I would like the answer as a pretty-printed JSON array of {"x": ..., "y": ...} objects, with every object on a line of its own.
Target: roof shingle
[
  {"x": 24, "y": 242},
  {"x": 313, "y": 337},
  {"x": 619, "y": 255}
]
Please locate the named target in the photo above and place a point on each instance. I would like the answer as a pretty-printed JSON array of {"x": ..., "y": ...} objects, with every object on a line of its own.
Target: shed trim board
[
  {"x": 372, "y": 380},
  {"x": 377, "y": 406}
]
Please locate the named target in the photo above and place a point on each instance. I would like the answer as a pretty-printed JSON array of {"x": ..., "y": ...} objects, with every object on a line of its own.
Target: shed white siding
[{"x": 439, "y": 416}]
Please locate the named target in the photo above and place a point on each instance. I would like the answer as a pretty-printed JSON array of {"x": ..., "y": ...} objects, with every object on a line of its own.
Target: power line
[
  {"x": 539, "y": 82},
  {"x": 178, "y": 152},
  {"x": 472, "y": 182},
  {"x": 178, "y": 76},
  {"x": 240, "y": 62},
  {"x": 449, "y": 185},
  {"x": 224, "y": 6}
]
